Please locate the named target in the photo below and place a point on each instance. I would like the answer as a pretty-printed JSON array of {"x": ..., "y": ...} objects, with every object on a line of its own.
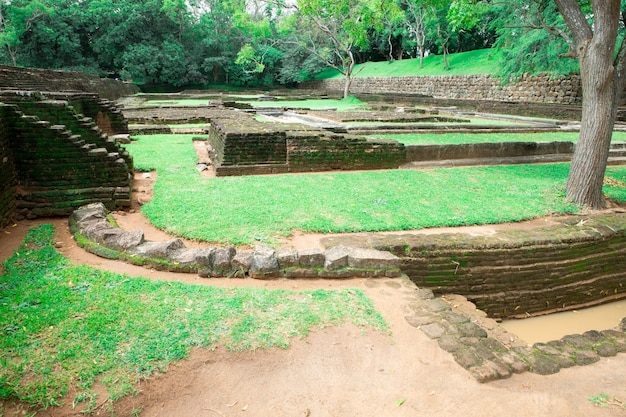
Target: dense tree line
[{"x": 241, "y": 42}]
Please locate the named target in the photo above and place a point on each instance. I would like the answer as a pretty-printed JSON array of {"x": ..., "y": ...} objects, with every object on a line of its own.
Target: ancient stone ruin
[{"x": 58, "y": 144}]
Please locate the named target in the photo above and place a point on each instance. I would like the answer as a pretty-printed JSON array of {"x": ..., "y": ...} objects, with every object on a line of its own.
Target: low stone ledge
[
  {"x": 488, "y": 352},
  {"x": 574, "y": 262},
  {"x": 96, "y": 232}
]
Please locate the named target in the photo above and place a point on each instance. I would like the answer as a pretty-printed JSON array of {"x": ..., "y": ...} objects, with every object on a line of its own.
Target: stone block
[
  {"x": 287, "y": 257},
  {"x": 158, "y": 250},
  {"x": 264, "y": 263},
  {"x": 336, "y": 258},
  {"x": 371, "y": 258},
  {"x": 242, "y": 260},
  {"x": 311, "y": 258}
]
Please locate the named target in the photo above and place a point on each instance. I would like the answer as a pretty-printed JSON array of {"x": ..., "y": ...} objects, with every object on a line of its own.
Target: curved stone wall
[
  {"x": 516, "y": 273},
  {"x": 95, "y": 232}
]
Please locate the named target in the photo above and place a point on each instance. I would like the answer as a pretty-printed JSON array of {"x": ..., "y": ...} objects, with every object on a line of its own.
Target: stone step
[{"x": 618, "y": 160}]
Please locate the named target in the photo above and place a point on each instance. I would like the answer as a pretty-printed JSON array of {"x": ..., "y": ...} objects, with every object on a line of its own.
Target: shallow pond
[{"x": 555, "y": 326}]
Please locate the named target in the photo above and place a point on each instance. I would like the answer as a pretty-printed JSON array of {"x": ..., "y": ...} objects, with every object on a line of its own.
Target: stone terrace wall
[
  {"x": 7, "y": 173},
  {"x": 537, "y": 89},
  {"x": 57, "y": 171},
  {"x": 307, "y": 151},
  {"x": 419, "y": 153},
  {"x": 244, "y": 141},
  {"x": 244, "y": 146},
  {"x": 33, "y": 79},
  {"x": 106, "y": 114},
  {"x": 514, "y": 273},
  {"x": 61, "y": 113}
]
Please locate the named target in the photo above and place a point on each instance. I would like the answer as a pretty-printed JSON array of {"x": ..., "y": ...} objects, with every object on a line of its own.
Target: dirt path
[{"x": 342, "y": 371}]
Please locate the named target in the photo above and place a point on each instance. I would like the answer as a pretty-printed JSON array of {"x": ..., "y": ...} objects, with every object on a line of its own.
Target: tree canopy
[{"x": 241, "y": 42}]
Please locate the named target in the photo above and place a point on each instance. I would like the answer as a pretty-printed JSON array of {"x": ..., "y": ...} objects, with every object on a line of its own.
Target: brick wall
[
  {"x": 33, "y": 79},
  {"x": 50, "y": 171},
  {"x": 536, "y": 89},
  {"x": 243, "y": 146},
  {"x": 310, "y": 152},
  {"x": 7, "y": 173},
  {"x": 514, "y": 273}
]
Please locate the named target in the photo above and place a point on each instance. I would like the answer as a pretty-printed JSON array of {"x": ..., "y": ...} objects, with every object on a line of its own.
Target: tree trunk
[
  {"x": 348, "y": 73},
  {"x": 346, "y": 86},
  {"x": 599, "y": 109}
]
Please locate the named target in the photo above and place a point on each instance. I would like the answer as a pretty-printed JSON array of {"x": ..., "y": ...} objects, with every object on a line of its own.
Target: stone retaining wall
[
  {"x": 56, "y": 171},
  {"x": 34, "y": 79},
  {"x": 419, "y": 153},
  {"x": 94, "y": 231},
  {"x": 244, "y": 146},
  {"x": 7, "y": 173},
  {"x": 580, "y": 262},
  {"x": 247, "y": 142},
  {"x": 537, "y": 89},
  {"x": 310, "y": 152}
]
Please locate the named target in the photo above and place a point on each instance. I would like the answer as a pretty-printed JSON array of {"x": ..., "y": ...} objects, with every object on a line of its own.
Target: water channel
[{"x": 554, "y": 326}]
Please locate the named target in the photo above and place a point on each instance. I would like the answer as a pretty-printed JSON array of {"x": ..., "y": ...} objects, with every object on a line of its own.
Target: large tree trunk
[
  {"x": 599, "y": 109},
  {"x": 602, "y": 84}
]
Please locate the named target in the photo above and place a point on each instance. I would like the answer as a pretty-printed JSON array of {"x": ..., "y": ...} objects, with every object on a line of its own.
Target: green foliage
[
  {"x": 66, "y": 327},
  {"x": 526, "y": 46},
  {"x": 180, "y": 42},
  {"x": 242, "y": 210}
]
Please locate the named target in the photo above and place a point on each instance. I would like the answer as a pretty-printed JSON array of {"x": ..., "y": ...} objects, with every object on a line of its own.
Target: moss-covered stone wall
[
  {"x": 243, "y": 146},
  {"x": 310, "y": 152},
  {"x": 49, "y": 170},
  {"x": 515, "y": 273},
  {"x": 60, "y": 112},
  {"x": 7, "y": 173},
  {"x": 58, "y": 171},
  {"x": 34, "y": 79}
]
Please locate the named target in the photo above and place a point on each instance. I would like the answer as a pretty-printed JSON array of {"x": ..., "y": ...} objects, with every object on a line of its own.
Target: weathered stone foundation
[{"x": 580, "y": 262}]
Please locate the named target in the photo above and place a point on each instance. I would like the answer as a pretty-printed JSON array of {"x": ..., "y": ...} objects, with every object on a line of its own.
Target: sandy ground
[{"x": 340, "y": 371}]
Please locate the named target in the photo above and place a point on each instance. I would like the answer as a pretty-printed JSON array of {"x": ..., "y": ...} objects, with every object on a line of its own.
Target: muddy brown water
[{"x": 555, "y": 326}]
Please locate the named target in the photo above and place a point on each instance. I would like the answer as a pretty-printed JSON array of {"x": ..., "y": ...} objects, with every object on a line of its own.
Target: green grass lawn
[
  {"x": 482, "y": 61},
  {"x": 461, "y": 138},
  {"x": 245, "y": 210},
  {"x": 65, "y": 327}
]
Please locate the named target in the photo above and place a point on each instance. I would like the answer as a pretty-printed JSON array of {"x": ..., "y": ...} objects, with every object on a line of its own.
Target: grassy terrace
[
  {"x": 461, "y": 138},
  {"x": 245, "y": 210},
  {"x": 482, "y": 61},
  {"x": 66, "y": 327}
]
